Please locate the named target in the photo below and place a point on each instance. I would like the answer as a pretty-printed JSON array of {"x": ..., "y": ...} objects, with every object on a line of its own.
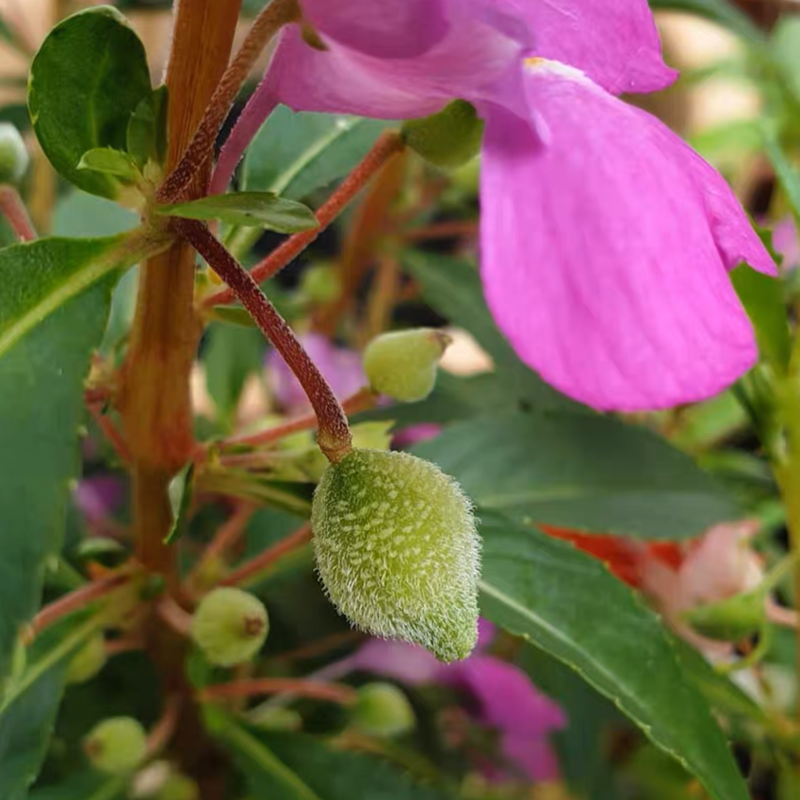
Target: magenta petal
[
  {"x": 534, "y": 756},
  {"x": 399, "y": 660},
  {"x": 385, "y": 29},
  {"x": 604, "y": 257},
  {"x": 615, "y": 42}
]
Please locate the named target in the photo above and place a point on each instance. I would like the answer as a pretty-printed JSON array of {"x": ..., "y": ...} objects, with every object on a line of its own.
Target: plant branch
[
  {"x": 13, "y": 209},
  {"x": 388, "y": 145},
  {"x": 265, "y": 560},
  {"x": 316, "y": 690},
  {"x": 161, "y": 733},
  {"x": 277, "y": 14},
  {"x": 334, "y": 432}
]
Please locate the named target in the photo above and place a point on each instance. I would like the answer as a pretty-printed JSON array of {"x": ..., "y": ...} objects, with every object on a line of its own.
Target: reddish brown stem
[
  {"x": 13, "y": 209},
  {"x": 443, "y": 230},
  {"x": 179, "y": 620},
  {"x": 362, "y": 400},
  {"x": 111, "y": 432},
  {"x": 322, "y": 646},
  {"x": 77, "y": 600},
  {"x": 388, "y": 145},
  {"x": 227, "y": 535},
  {"x": 316, "y": 690},
  {"x": 277, "y": 14},
  {"x": 334, "y": 433},
  {"x": 163, "y": 731},
  {"x": 265, "y": 560}
]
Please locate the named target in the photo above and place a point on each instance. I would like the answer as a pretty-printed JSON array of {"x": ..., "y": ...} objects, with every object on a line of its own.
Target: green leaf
[
  {"x": 785, "y": 171},
  {"x": 296, "y": 767},
  {"x": 79, "y": 215},
  {"x": 108, "y": 161},
  {"x": 720, "y": 11},
  {"x": 88, "y": 785},
  {"x": 231, "y": 356},
  {"x": 569, "y": 605},
  {"x": 251, "y": 209},
  {"x": 294, "y": 154},
  {"x": 181, "y": 491},
  {"x": 86, "y": 80},
  {"x": 590, "y": 473},
  {"x": 28, "y": 710},
  {"x": 452, "y": 287},
  {"x": 762, "y": 297},
  {"x": 53, "y": 310},
  {"x": 147, "y": 130}
]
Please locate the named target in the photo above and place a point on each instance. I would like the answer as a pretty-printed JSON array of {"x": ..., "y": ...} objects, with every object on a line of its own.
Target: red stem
[
  {"x": 334, "y": 432},
  {"x": 336, "y": 693},
  {"x": 13, "y": 209},
  {"x": 267, "y": 24},
  {"x": 388, "y": 145},
  {"x": 266, "y": 559},
  {"x": 161, "y": 733},
  {"x": 111, "y": 432}
]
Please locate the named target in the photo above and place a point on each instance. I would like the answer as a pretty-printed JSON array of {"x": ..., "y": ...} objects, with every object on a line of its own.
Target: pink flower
[
  {"x": 787, "y": 243},
  {"x": 605, "y": 240},
  {"x": 503, "y": 696},
  {"x": 340, "y": 367}
]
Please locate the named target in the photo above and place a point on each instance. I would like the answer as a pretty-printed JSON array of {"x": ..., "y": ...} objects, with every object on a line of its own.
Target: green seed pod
[
  {"x": 178, "y": 787},
  {"x": 448, "y": 139},
  {"x": 403, "y": 365},
  {"x": 730, "y": 620},
  {"x": 14, "y": 156},
  {"x": 230, "y": 626},
  {"x": 116, "y": 746},
  {"x": 88, "y": 661},
  {"x": 397, "y": 550},
  {"x": 275, "y": 718},
  {"x": 383, "y": 710}
]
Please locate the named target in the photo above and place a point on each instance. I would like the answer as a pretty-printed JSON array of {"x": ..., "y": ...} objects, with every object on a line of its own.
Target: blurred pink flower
[
  {"x": 786, "y": 241},
  {"x": 504, "y": 698},
  {"x": 98, "y": 497},
  {"x": 340, "y": 367},
  {"x": 605, "y": 246}
]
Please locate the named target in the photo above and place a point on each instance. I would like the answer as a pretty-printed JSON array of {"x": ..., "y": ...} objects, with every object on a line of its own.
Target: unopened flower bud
[
  {"x": 230, "y": 626},
  {"x": 14, "y": 156},
  {"x": 448, "y": 139},
  {"x": 275, "y": 718},
  {"x": 116, "y": 746},
  {"x": 730, "y": 620},
  {"x": 178, "y": 787},
  {"x": 88, "y": 661},
  {"x": 383, "y": 710},
  {"x": 397, "y": 550},
  {"x": 403, "y": 365}
]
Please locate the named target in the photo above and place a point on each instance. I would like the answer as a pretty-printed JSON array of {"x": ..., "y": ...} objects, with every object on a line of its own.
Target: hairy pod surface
[
  {"x": 403, "y": 364},
  {"x": 397, "y": 550},
  {"x": 116, "y": 746}
]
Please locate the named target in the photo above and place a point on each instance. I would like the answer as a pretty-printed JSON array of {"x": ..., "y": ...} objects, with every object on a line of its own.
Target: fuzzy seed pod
[
  {"x": 397, "y": 550},
  {"x": 403, "y": 365},
  {"x": 116, "y": 746},
  {"x": 14, "y": 156},
  {"x": 383, "y": 710},
  {"x": 230, "y": 626},
  {"x": 88, "y": 661}
]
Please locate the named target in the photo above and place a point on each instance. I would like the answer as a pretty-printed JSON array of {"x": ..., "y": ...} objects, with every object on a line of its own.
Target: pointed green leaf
[
  {"x": 290, "y": 766},
  {"x": 181, "y": 491},
  {"x": 147, "y": 130},
  {"x": 591, "y": 473},
  {"x": 87, "y": 79},
  {"x": 294, "y": 154},
  {"x": 54, "y": 306},
  {"x": 251, "y": 209},
  {"x": 570, "y": 605},
  {"x": 108, "y": 161}
]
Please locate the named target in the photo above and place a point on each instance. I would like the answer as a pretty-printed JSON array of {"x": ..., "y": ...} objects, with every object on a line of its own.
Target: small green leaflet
[
  {"x": 108, "y": 161},
  {"x": 181, "y": 490}
]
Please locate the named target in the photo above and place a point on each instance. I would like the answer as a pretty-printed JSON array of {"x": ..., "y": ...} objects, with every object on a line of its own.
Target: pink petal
[
  {"x": 399, "y": 660},
  {"x": 604, "y": 255},
  {"x": 386, "y": 29},
  {"x": 615, "y": 42},
  {"x": 534, "y": 756}
]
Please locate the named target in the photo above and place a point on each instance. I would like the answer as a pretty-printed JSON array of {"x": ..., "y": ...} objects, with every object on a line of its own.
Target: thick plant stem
[
  {"x": 334, "y": 437},
  {"x": 388, "y": 145}
]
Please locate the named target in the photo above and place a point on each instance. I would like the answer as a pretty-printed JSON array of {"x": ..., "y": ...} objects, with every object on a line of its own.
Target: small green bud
[
  {"x": 403, "y": 365},
  {"x": 397, "y": 550},
  {"x": 116, "y": 746},
  {"x": 230, "y": 626},
  {"x": 275, "y": 718},
  {"x": 88, "y": 661},
  {"x": 448, "y": 139},
  {"x": 321, "y": 284},
  {"x": 383, "y": 710},
  {"x": 730, "y": 620},
  {"x": 14, "y": 156},
  {"x": 178, "y": 787}
]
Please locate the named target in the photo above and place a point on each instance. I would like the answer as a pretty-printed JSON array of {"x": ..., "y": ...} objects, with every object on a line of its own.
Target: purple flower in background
[
  {"x": 340, "y": 367},
  {"x": 502, "y": 695},
  {"x": 786, "y": 241},
  {"x": 98, "y": 497},
  {"x": 605, "y": 241}
]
